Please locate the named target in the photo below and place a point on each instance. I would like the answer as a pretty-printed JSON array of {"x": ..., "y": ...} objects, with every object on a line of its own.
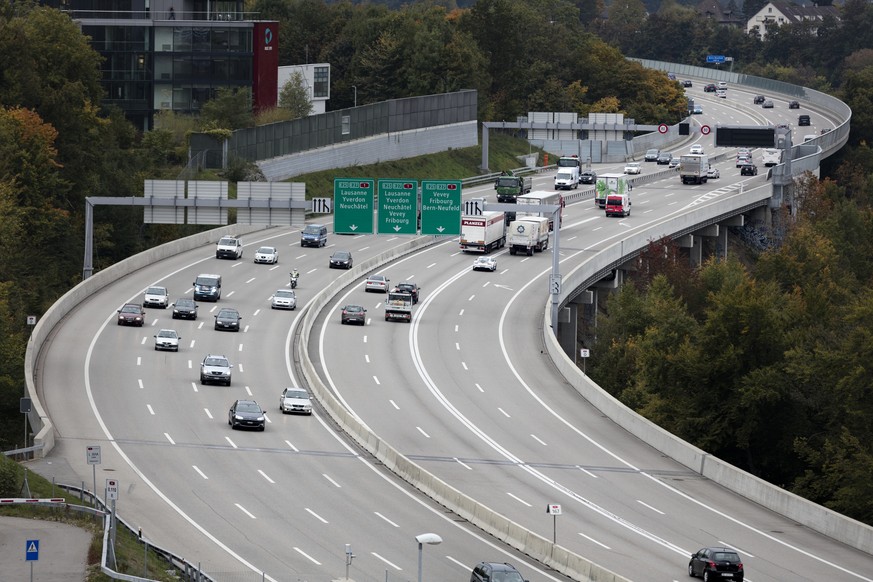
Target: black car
[
  {"x": 353, "y": 314},
  {"x": 748, "y": 170},
  {"x": 709, "y": 88},
  {"x": 411, "y": 288},
  {"x": 686, "y": 83},
  {"x": 588, "y": 177},
  {"x": 793, "y": 105},
  {"x": 803, "y": 120},
  {"x": 185, "y": 308},
  {"x": 227, "y": 318},
  {"x": 131, "y": 314},
  {"x": 495, "y": 572},
  {"x": 246, "y": 413},
  {"x": 664, "y": 158},
  {"x": 341, "y": 260},
  {"x": 758, "y": 99},
  {"x": 716, "y": 563}
]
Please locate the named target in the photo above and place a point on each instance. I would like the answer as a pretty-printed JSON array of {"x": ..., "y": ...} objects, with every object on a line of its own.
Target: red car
[{"x": 131, "y": 314}]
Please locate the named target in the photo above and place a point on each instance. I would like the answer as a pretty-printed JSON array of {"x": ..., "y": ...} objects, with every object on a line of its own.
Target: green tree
[
  {"x": 231, "y": 108},
  {"x": 294, "y": 96}
]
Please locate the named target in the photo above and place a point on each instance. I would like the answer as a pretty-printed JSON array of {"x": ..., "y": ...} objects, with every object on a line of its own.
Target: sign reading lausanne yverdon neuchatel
[{"x": 353, "y": 205}]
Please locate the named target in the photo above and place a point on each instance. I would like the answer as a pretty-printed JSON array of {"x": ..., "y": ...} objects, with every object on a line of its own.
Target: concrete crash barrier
[{"x": 38, "y": 418}]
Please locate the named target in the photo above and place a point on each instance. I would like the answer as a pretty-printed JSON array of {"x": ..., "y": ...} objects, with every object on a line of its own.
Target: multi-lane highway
[{"x": 465, "y": 391}]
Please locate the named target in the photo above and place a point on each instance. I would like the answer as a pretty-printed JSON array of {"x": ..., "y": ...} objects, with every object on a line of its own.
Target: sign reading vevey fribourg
[{"x": 402, "y": 207}]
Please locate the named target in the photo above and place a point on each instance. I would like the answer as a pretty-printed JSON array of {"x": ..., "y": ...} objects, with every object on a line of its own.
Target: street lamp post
[
  {"x": 355, "y": 87},
  {"x": 426, "y": 538}
]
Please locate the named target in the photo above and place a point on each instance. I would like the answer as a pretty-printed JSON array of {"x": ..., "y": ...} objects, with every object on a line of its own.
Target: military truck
[{"x": 509, "y": 186}]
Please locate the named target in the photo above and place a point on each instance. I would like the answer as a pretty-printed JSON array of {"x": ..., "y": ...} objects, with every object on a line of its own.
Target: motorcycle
[{"x": 294, "y": 277}]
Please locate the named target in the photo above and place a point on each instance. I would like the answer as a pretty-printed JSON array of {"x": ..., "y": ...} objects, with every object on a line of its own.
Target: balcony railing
[{"x": 163, "y": 15}]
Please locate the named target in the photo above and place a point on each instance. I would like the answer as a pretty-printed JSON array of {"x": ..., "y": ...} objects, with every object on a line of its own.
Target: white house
[
  {"x": 316, "y": 76},
  {"x": 780, "y": 12}
]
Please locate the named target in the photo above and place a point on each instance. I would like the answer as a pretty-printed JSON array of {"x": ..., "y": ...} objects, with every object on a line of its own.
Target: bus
[{"x": 550, "y": 198}]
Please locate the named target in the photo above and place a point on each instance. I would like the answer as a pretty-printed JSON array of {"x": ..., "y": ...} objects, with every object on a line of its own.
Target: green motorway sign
[
  {"x": 441, "y": 207},
  {"x": 353, "y": 205},
  {"x": 398, "y": 207}
]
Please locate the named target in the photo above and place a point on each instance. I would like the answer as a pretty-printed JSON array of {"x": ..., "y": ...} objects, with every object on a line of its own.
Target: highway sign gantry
[
  {"x": 398, "y": 207},
  {"x": 441, "y": 207},
  {"x": 353, "y": 205}
]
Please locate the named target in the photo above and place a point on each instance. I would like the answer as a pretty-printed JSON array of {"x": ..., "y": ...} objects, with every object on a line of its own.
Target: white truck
[
  {"x": 398, "y": 306},
  {"x": 483, "y": 233},
  {"x": 528, "y": 234},
  {"x": 539, "y": 198},
  {"x": 569, "y": 173},
  {"x": 609, "y": 184},
  {"x": 771, "y": 157},
  {"x": 694, "y": 168}
]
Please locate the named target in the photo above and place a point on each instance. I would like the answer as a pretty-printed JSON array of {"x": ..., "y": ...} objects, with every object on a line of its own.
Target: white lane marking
[
  {"x": 367, "y": 358},
  {"x": 190, "y": 364},
  {"x": 293, "y": 448},
  {"x": 431, "y": 265},
  {"x": 456, "y": 328},
  {"x": 202, "y": 474},
  {"x": 644, "y": 504},
  {"x": 393, "y": 565},
  {"x": 240, "y": 366},
  {"x": 464, "y": 364},
  {"x": 244, "y": 510},
  {"x": 267, "y": 418},
  {"x": 143, "y": 342},
  {"x": 365, "y": 339},
  {"x": 194, "y": 386},
  {"x": 169, "y": 438},
  {"x": 250, "y": 280},
  {"x": 385, "y": 518},
  {"x": 315, "y": 515},
  {"x": 139, "y": 360},
  {"x": 486, "y": 284},
  {"x": 592, "y": 540},
  {"x": 421, "y": 430},
  {"x": 463, "y": 464},
  {"x": 394, "y": 404},
  {"x": 519, "y": 499},
  {"x": 139, "y": 382},
  {"x": 151, "y": 411},
  {"x": 265, "y": 476},
  {"x": 458, "y": 346},
  {"x": 506, "y": 414},
  {"x": 332, "y": 482},
  {"x": 376, "y": 380},
  {"x": 471, "y": 297},
  {"x": 538, "y": 439},
  {"x": 460, "y": 313},
  {"x": 240, "y": 346},
  {"x": 231, "y": 442},
  {"x": 305, "y": 555},
  {"x": 208, "y": 414},
  {"x": 589, "y": 473},
  {"x": 742, "y": 551},
  {"x": 480, "y": 388},
  {"x": 248, "y": 391}
]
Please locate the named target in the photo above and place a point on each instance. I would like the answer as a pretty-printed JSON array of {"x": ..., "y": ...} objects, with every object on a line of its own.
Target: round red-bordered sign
[
  {"x": 705, "y": 129},
  {"x": 663, "y": 128}
]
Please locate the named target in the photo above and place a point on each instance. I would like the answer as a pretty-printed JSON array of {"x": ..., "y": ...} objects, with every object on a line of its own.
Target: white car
[
  {"x": 295, "y": 400},
  {"x": 267, "y": 255},
  {"x": 633, "y": 168},
  {"x": 485, "y": 264},
  {"x": 167, "y": 339},
  {"x": 696, "y": 149},
  {"x": 712, "y": 173},
  {"x": 284, "y": 299},
  {"x": 156, "y": 297},
  {"x": 377, "y": 283}
]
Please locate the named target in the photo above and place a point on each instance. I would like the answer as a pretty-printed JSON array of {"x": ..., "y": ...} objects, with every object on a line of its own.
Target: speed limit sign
[
  {"x": 663, "y": 128},
  {"x": 705, "y": 129}
]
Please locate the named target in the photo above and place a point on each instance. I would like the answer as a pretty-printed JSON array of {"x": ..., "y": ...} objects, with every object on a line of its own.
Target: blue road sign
[
  {"x": 31, "y": 550},
  {"x": 714, "y": 58}
]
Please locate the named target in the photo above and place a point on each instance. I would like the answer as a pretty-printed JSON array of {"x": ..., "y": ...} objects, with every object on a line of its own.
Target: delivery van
[{"x": 618, "y": 205}]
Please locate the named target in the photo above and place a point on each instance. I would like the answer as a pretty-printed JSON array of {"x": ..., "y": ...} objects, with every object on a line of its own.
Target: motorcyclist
[{"x": 295, "y": 274}]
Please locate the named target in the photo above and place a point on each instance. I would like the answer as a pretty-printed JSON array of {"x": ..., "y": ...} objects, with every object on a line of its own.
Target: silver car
[
  {"x": 284, "y": 299},
  {"x": 485, "y": 264},
  {"x": 215, "y": 369},
  {"x": 156, "y": 297},
  {"x": 267, "y": 255},
  {"x": 295, "y": 400},
  {"x": 167, "y": 339}
]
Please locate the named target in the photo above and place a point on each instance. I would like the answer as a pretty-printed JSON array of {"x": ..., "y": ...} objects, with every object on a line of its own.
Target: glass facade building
[{"x": 167, "y": 54}]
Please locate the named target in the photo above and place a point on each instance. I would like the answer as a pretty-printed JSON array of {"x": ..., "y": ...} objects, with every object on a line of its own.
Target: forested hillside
[{"x": 792, "y": 386}]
